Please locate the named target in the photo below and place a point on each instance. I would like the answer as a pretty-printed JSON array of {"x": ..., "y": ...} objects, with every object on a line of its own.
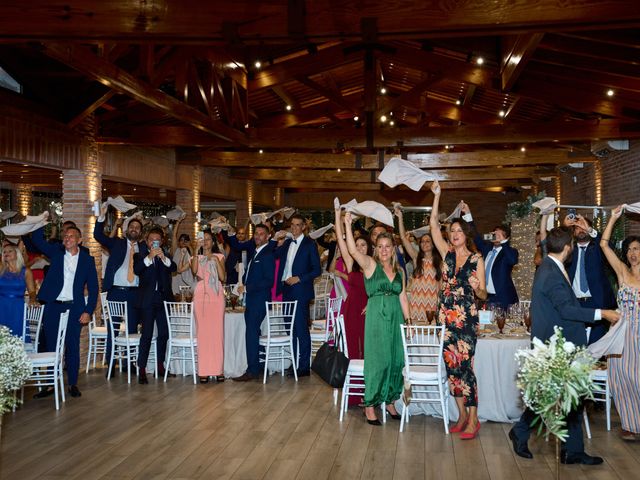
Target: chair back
[
  {"x": 104, "y": 308},
  {"x": 180, "y": 319},
  {"x": 422, "y": 347},
  {"x": 333, "y": 310},
  {"x": 524, "y": 304},
  {"x": 62, "y": 333},
  {"x": 31, "y": 323},
  {"x": 340, "y": 338},
  {"x": 118, "y": 316},
  {"x": 280, "y": 316}
]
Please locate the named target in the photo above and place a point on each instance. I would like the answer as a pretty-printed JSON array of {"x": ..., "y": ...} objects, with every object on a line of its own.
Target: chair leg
[
  {"x": 89, "y": 353},
  {"x": 64, "y": 399},
  {"x": 587, "y": 427},
  {"x": 129, "y": 364},
  {"x": 335, "y": 396},
  {"x": 113, "y": 352},
  {"x": 383, "y": 407},
  {"x": 607, "y": 404},
  {"x": 345, "y": 394},
  {"x": 266, "y": 363},
  {"x": 293, "y": 362},
  {"x": 403, "y": 416},
  {"x": 193, "y": 364}
]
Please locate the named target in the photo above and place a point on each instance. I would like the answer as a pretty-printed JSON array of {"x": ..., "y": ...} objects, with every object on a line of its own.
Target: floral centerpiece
[
  {"x": 554, "y": 378},
  {"x": 15, "y": 368}
]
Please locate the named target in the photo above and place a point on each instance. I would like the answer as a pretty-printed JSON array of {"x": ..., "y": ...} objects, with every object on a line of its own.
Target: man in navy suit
[
  {"x": 554, "y": 304},
  {"x": 499, "y": 259},
  {"x": 299, "y": 266},
  {"x": 154, "y": 270},
  {"x": 257, "y": 283},
  {"x": 63, "y": 289},
  {"x": 120, "y": 281},
  {"x": 587, "y": 272}
]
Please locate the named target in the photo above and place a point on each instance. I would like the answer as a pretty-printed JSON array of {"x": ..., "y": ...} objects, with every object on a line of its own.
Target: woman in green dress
[{"x": 387, "y": 309}]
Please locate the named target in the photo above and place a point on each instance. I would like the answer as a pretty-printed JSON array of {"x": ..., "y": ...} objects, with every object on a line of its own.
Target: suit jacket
[
  {"x": 594, "y": 262},
  {"x": 306, "y": 266},
  {"x": 258, "y": 280},
  {"x": 503, "y": 264},
  {"x": 117, "y": 253},
  {"x": 156, "y": 273},
  {"x": 86, "y": 275},
  {"x": 554, "y": 303}
]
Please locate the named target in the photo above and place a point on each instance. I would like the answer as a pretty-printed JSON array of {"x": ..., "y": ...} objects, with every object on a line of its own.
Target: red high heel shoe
[
  {"x": 456, "y": 428},
  {"x": 472, "y": 435}
]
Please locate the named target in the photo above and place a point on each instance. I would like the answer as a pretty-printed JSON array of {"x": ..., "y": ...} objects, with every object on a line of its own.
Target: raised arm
[
  {"x": 174, "y": 238},
  {"x": 367, "y": 263},
  {"x": 408, "y": 247},
  {"x": 618, "y": 266},
  {"x": 436, "y": 234},
  {"x": 348, "y": 259}
]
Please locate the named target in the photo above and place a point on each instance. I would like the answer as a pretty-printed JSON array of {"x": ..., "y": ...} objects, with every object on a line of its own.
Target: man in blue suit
[
  {"x": 587, "y": 272},
  {"x": 299, "y": 266},
  {"x": 120, "y": 281},
  {"x": 63, "y": 289},
  {"x": 554, "y": 304},
  {"x": 499, "y": 259},
  {"x": 257, "y": 283},
  {"x": 154, "y": 270}
]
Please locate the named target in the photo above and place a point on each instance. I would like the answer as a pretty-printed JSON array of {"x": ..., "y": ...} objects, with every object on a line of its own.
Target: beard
[{"x": 132, "y": 236}]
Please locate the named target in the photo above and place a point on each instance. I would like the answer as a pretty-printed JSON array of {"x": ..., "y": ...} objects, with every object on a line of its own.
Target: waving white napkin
[
  {"x": 612, "y": 343},
  {"x": 218, "y": 224},
  {"x": 160, "y": 221},
  {"x": 120, "y": 204},
  {"x": 545, "y": 205},
  {"x": 457, "y": 212},
  {"x": 176, "y": 214},
  {"x": 320, "y": 231},
  {"x": 257, "y": 218},
  {"x": 28, "y": 225},
  {"x": 632, "y": 207},
  {"x": 6, "y": 215},
  {"x": 403, "y": 172},
  {"x": 421, "y": 231},
  {"x": 136, "y": 216}
]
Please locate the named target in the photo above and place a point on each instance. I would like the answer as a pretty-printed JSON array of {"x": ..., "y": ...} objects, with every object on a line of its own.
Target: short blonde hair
[{"x": 19, "y": 259}]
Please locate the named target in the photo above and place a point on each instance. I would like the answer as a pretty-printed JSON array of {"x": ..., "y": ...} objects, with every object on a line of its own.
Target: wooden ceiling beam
[
  {"x": 571, "y": 45},
  {"x": 591, "y": 78},
  {"x": 329, "y": 186},
  {"x": 410, "y": 96},
  {"x": 330, "y": 95},
  {"x": 333, "y": 175},
  {"x": 91, "y": 108},
  {"x": 83, "y": 60},
  {"x": 516, "y": 52}
]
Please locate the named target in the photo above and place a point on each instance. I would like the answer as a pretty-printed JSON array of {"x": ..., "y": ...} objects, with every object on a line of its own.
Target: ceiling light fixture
[
  {"x": 392, "y": 123},
  {"x": 523, "y": 149},
  {"x": 458, "y": 102},
  {"x": 257, "y": 64},
  {"x": 479, "y": 60},
  {"x": 260, "y": 151},
  {"x": 383, "y": 118},
  {"x": 501, "y": 113},
  {"x": 610, "y": 93},
  {"x": 288, "y": 107},
  {"x": 356, "y": 118},
  {"x": 383, "y": 90}
]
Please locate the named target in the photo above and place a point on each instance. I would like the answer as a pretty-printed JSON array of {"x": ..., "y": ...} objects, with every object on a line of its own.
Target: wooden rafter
[
  {"x": 516, "y": 52},
  {"x": 91, "y": 108}
]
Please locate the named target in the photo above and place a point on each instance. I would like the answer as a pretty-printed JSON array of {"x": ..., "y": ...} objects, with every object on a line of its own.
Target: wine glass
[
  {"x": 234, "y": 301},
  {"x": 500, "y": 317},
  {"x": 527, "y": 319}
]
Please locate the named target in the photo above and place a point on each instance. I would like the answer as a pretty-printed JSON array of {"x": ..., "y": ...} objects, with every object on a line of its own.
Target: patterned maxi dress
[
  {"x": 623, "y": 369},
  {"x": 423, "y": 293},
  {"x": 459, "y": 314},
  {"x": 384, "y": 358}
]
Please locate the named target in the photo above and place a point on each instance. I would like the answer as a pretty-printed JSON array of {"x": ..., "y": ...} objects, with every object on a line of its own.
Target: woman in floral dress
[{"x": 463, "y": 279}]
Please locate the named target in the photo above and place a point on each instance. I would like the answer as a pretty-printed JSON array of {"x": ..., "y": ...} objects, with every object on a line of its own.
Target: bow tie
[{"x": 294, "y": 241}]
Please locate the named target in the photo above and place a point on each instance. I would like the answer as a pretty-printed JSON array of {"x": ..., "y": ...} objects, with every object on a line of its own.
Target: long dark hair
[
  {"x": 468, "y": 233},
  {"x": 625, "y": 247},
  {"x": 356, "y": 265},
  {"x": 436, "y": 258},
  {"x": 214, "y": 245}
]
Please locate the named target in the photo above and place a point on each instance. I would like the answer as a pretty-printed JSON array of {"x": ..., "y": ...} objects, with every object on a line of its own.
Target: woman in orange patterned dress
[{"x": 424, "y": 285}]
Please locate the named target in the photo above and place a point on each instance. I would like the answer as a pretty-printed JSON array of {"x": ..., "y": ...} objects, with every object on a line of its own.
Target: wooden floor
[{"x": 282, "y": 430}]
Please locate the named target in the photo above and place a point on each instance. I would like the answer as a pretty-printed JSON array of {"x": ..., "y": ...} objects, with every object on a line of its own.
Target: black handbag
[{"x": 330, "y": 364}]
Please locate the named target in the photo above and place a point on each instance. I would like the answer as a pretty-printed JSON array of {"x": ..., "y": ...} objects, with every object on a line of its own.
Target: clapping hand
[{"x": 435, "y": 187}]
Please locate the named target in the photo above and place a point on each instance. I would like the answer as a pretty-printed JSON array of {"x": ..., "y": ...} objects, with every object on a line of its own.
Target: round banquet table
[{"x": 495, "y": 367}]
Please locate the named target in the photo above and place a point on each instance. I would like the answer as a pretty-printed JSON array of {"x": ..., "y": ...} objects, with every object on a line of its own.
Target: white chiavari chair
[
  {"x": 182, "y": 342},
  {"x": 278, "y": 342}
]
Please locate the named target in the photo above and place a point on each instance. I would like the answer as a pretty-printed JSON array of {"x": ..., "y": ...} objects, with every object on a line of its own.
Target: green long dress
[{"x": 383, "y": 355}]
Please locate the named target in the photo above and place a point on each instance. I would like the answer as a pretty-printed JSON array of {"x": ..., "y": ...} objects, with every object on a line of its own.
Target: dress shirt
[
  {"x": 577, "y": 287},
  {"x": 490, "y": 286},
  {"x": 598, "y": 312},
  {"x": 166, "y": 261},
  {"x": 258, "y": 250},
  {"x": 291, "y": 255},
  {"x": 120, "y": 277},
  {"x": 70, "y": 267}
]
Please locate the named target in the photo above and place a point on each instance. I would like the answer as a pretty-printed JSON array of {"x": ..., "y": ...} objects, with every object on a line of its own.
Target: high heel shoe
[
  {"x": 219, "y": 378},
  {"x": 472, "y": 435},
  {"x": 458, "y": 428},
  {"x": 375, "y": 422},
  {"x": 395, "y": 416},
  {"x": 204, "y": 379}
]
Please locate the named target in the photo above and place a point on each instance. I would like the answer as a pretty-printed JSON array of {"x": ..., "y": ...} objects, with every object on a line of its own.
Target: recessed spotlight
[
  {"x": 392, "y": 123},
  {"x": 257, "y": 64},
  {"x": 501, "y": 113},
  {"x": 383, "y": 118},
  {"x": 383, "y": 90},
  {"x": 135, "y": 189},
  {"x": 446, "y": 147},
  {"x": 339, "y": 170},
  {"x": 260, "y": 151},
  {"x": 25, "y": 165},
  {"x": 288, "y": 107},
  {"x": 458, "y": 102},
  {"x": 356, "y": 118},
  {"x": 523, "y": 149},
  {"x": 479, "y": 60},
  {"x": 610, "y": 93}
]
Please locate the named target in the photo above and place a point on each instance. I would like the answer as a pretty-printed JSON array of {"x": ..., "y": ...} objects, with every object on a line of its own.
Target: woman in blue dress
[{"x": 15, "y": 277}]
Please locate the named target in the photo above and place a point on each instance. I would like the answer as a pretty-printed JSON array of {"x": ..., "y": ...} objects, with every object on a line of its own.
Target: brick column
[
  {"x": 80, "y": 188},
  {"x": 189, "y": 200},
  {"x": 23, "y": 199}
]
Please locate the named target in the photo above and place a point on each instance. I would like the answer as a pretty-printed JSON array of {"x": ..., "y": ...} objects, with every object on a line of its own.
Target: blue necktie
[
  {"x": 584, "y": 284},
  {"x": 490, "y": 258}
]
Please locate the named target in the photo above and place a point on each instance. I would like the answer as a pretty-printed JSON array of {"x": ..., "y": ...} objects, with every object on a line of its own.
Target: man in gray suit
[{"x": 553, "y": 303}]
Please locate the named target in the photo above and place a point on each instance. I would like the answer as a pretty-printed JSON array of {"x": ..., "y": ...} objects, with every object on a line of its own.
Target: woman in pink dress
[{"x": 208, "y": 305}]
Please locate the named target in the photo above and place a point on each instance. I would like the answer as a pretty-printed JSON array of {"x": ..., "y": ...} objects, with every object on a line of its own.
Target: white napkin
[
  {"x": 218, "y": 224},
  {"x": 403, "y": 172},
  {"x": 545, "y": 205},
  {"x": 28, "y": 225},
  {"x": 421, "y": 231},
  {"x": 7, "y": 215},
  {"x": 176, "y": 214},
  {"x": 137, "y": 216},
  {"x": 374, "y": 210},
  {"x": 160, "y": 221},
  {"x": 457, "y": 212},
  {"x": 612, "y": 343},
  {"x": 286, "y": 211},
  {"x": 632, "y": 207},
  {"x": 39, "y": 264},
  {"x": 258, "y": 218},
  {"x": 320, "y": 231},
  {"x": 119, "y": 204}
]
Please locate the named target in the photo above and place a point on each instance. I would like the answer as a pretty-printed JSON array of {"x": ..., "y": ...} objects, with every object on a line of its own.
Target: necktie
[
  {"x": 490, "y": 258},
  {"x": 130, "y": 275},
  {"x": 584, "y": 284}
]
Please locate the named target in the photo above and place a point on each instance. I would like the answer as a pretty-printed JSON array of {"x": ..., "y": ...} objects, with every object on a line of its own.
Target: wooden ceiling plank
[
  {"x": 333, "y": 97},
  {"x": 412, "y": 95},
  {"x": 91, "y": 108},
  {"x": 571, "y": 45},
  {"x": 282, "y": 93},
  {"x": 112, "y": 76},
  {"x": 516, "y": 53},
  {"x": 604, "y": 79}
]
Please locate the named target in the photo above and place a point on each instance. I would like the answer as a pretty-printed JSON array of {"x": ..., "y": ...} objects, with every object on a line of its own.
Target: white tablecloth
[{"x": 495, "y": 368}]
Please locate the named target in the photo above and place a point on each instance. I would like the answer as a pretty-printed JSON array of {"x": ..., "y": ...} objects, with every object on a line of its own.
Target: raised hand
[
  {"x": 347, "y": 218},
  {"x": 435, "y": 187},
  {"x": 397, "y": 211},
  {"x": 616, "y": 212}
]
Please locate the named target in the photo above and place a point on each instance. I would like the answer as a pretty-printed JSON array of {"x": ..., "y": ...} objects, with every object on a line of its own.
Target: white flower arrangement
[
  {"x": 554, "y": 378},
  {"x": 15, "y": 368}
]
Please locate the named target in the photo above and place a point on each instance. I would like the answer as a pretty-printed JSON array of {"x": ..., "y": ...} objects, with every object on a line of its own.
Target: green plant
[
  {"x": 15, "y": 368},
  {"x": 523, "y": 208}
]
